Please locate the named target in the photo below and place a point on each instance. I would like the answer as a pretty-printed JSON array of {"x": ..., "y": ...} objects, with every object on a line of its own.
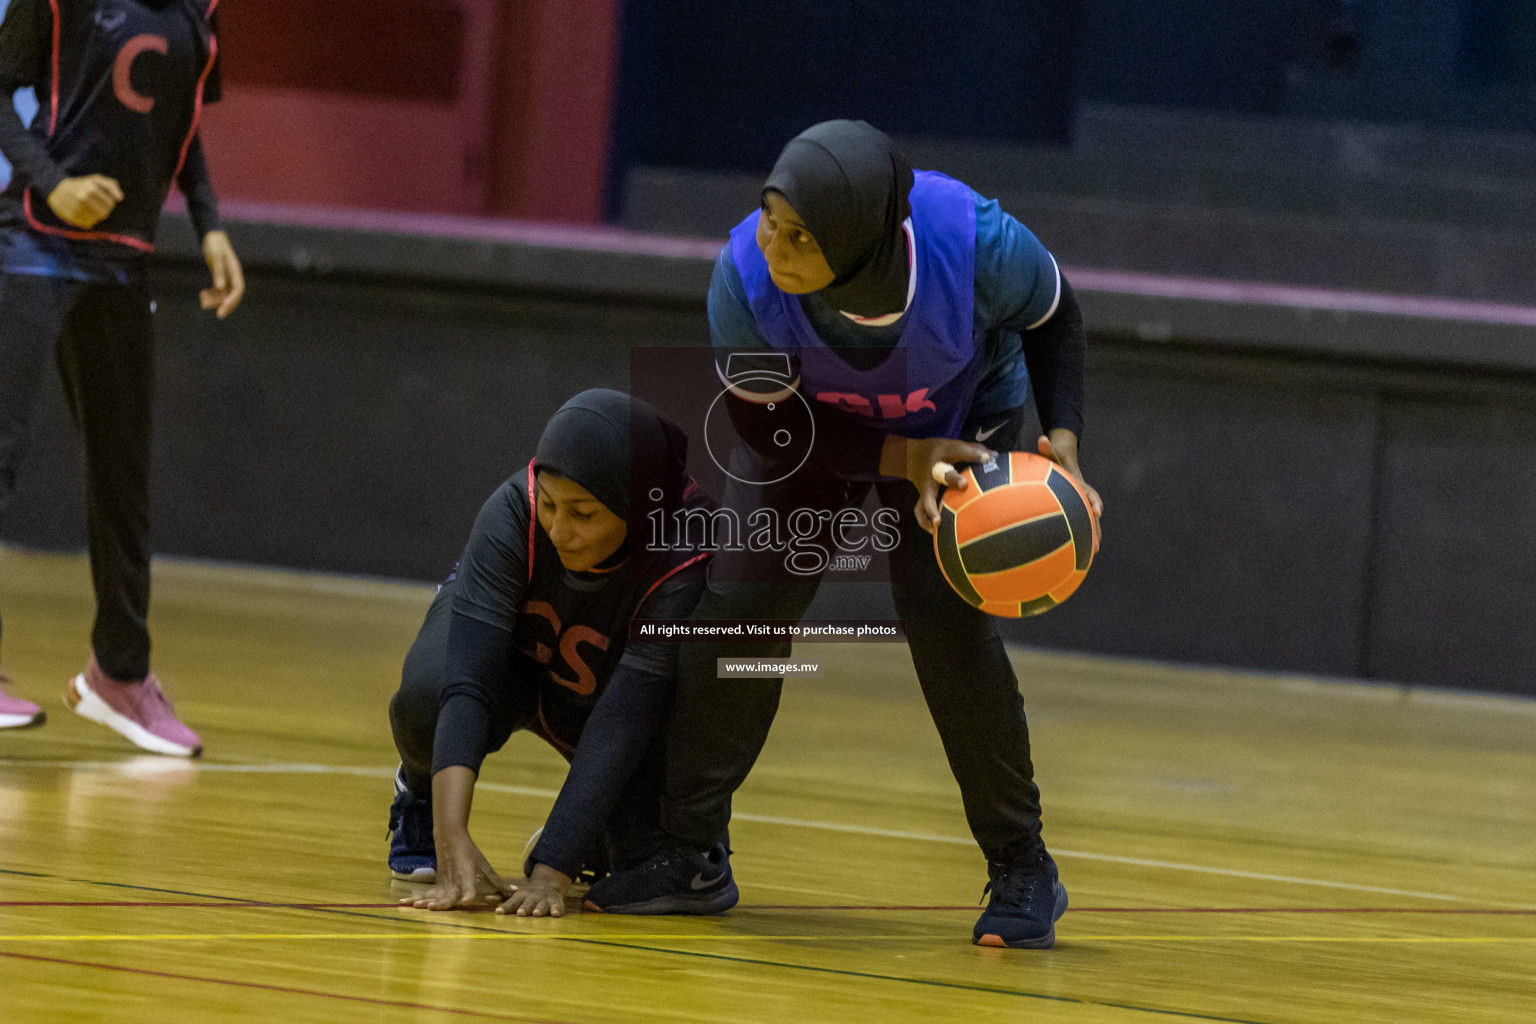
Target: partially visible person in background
[{"x": 120, "y": 87}]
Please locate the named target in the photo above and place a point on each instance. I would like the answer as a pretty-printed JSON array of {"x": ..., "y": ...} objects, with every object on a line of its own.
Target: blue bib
[{"x": 926, "y": 387}]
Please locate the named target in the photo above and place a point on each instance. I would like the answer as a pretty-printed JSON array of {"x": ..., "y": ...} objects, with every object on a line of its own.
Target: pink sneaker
[
  {"x": 16, "y": 713},
  {"x": 138, "y": 711}
]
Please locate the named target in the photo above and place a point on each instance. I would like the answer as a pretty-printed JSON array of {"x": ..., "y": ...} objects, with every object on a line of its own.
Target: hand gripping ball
[{"x": 1019, "y": 540}]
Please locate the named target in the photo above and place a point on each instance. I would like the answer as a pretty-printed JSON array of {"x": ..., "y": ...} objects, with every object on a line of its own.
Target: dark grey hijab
[
  {"x": 850, "y": 185},
  {"x": 615, "y": 445}
]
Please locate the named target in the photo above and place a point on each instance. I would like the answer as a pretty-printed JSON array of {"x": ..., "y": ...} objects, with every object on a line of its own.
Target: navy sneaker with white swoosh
[
  {"x": 675, "y": 879},
  {"x": 1027, "y": 901}
]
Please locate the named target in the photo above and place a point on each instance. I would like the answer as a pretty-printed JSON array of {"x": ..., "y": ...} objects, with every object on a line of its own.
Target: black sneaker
[
  {"x": 676, "y": 879},
  {"x": 1027, "y": 901},
  {"x": 412, "y": 853}
]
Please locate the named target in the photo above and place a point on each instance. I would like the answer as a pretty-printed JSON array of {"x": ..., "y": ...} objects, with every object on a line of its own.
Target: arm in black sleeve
[
  {"x": 202, "y": 204},
  {"x": 1055, "y": 352},
  {"x": 627, "y": 719},
  {"x": 477, "y": 672},
  {"x": 491, "y": 578},
  {"x": 213, "y": 88},
  {"x": 629, "y": 715},
  {"x": 25, "y": 45}
]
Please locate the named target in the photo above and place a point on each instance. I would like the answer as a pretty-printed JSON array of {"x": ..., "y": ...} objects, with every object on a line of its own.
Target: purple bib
[{"x": 926, "y": 386}]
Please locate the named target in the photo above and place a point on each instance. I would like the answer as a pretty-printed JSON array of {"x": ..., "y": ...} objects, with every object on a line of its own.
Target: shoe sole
[
  {"x": 424, "y": 875},
  {"x": 22, "y": 721},
  {"x": 714, "y": 903},
  {"x": 83, "y": 701},
  {"x": 1045, "y": 941}
]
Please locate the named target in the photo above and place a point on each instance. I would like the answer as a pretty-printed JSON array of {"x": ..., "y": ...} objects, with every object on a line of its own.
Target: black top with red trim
[
  {"x": 568, "y": 630},
  {"x": 120, "y": 87},
  {"x": 519, "y": 615}
]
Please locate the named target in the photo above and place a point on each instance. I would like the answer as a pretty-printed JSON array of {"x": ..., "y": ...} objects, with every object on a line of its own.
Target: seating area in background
[{"x": 1392, "y": 208}]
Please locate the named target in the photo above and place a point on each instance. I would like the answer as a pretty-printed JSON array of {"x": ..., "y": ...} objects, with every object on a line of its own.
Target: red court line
[
  {"x": 1295, "y": 910},
  {"x": 167, "y": 903},
  {"x": 281, "y": 988}
]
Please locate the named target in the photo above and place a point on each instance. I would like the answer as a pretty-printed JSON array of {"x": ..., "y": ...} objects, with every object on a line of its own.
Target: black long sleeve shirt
[
  {"x": 601, "y": 700},
  {"x": 132, "y": 80}
]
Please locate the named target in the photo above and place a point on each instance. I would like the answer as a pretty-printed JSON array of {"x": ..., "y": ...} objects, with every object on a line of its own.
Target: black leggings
[
  {"x": 102, "y": 338},
  {"x": 718, "y": 726},
  {"x": 633, "y": 828}
]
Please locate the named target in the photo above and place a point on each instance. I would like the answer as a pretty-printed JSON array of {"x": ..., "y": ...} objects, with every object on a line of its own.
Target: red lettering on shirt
[
  {"x": 122, "y": 71},
  {"x": 892, "y": 407},
  {"x": 568, "y": 641}
]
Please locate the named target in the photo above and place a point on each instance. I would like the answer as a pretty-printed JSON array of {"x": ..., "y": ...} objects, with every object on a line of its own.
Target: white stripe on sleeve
[{"x": 1056, "y": 301}]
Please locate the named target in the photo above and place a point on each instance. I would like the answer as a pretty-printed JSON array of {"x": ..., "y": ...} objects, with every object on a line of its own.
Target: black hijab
[
  {"x": 621, "y": 450},
  {"x": 850, "y": 184}
]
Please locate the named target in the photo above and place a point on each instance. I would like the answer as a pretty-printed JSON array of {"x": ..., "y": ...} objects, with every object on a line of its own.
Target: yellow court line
[
  {"x": 626, "y": 936},
  {"x": 664, "y": 937}
]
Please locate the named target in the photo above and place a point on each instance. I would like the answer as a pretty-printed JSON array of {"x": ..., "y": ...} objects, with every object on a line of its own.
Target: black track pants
[
  {"x": 718, "y": 726},
  {"x": 102, "y": 339}
]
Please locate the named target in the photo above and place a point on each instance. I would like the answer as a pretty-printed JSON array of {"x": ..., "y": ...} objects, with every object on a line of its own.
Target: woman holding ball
[{"x": 917, "y": 318}]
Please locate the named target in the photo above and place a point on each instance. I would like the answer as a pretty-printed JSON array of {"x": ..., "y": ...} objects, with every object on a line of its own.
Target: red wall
[{"x": 445, "y": 106}]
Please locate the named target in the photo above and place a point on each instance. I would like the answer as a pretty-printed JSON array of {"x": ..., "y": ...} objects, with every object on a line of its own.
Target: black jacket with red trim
[{"x": 120, "y": 87}]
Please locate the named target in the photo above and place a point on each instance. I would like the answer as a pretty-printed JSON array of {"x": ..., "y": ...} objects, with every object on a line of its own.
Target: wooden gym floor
[{"x": 1237, "y": 848}]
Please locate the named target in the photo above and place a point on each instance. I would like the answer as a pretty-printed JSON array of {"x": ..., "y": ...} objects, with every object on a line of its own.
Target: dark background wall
[
  {"x": 1186, "y": 53},
  {"x": 540, "y": 109},
  {"x": 1334, "y": 491},
  {"x": 725, "y": 85},
  {"x": 1328, "y": 481}
]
